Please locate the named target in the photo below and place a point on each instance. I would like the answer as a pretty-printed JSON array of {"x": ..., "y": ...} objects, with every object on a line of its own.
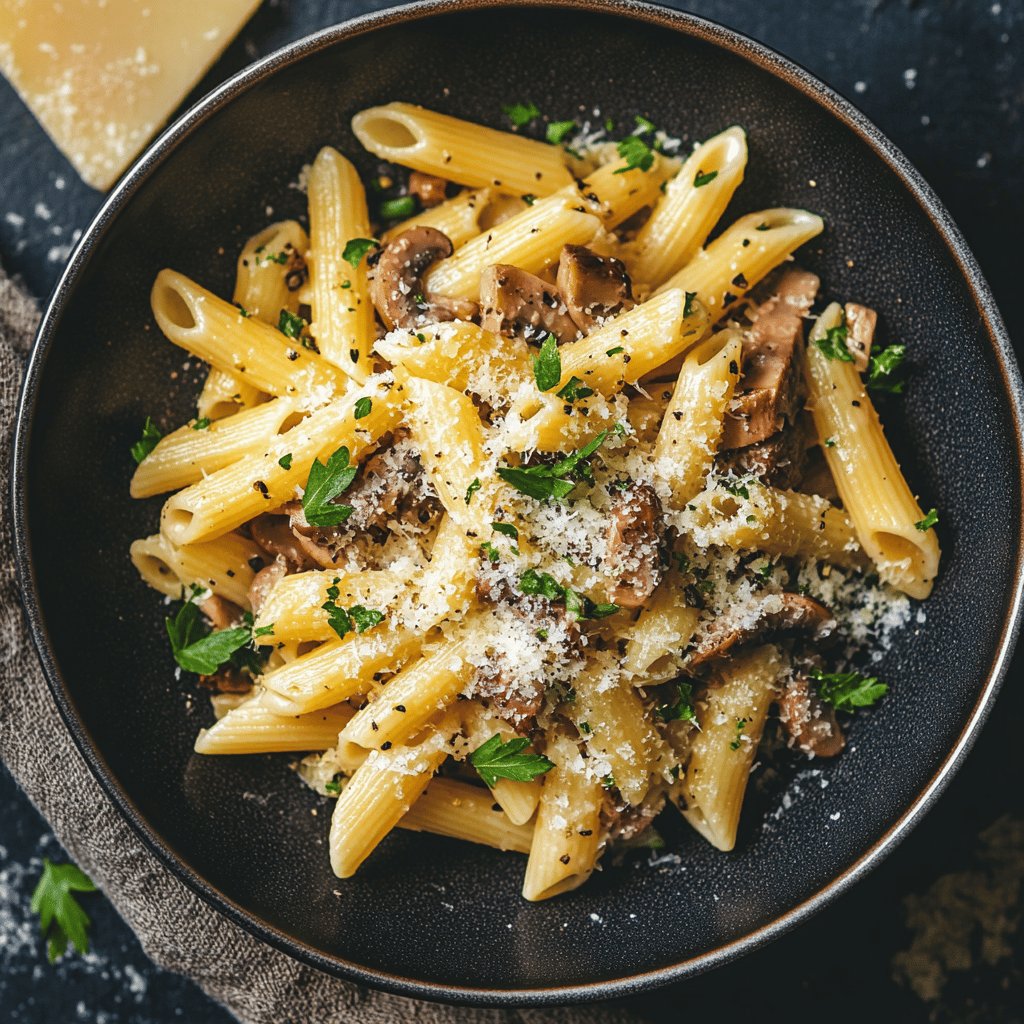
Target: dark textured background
[{"x": 943, "y": 78}]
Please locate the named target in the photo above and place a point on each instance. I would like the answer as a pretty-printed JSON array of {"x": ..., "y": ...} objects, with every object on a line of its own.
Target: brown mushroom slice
[
  {"x": 779, "y": 614},
  {"x": 780, "y": 460},
  {"x": 593, "y": 287},
  {"x": 397, "y": 288},
  {"x": 264, "y": 582},
  {"x": 429, "y": 189},
  {"x": 809, "y": 722},
  {"x": 635, "y": 537},
  {"x": 222, "y": 613},
  {"x": 514, "y": 301},
  {"x": 770, "y": 392},
  {"x": 860, "y": 333},
  {"x": 273, "y": 534}
]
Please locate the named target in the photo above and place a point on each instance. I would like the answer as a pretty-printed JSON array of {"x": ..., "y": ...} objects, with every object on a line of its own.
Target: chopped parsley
[
  {"x": 766, "y": 570},
  {"x": 550, "y": 481},
  {"x": 529, "y": 199},
  {"x": 547, "y": 365},
  {"x": 472, "y": 489},
  {"x": 737, "y": 489},
  {"x": 682, "y": 709},
  {"x": 703, "y": 179},
  {"x": 688, "y": 303},
  {"x": 326, "y": 481},
  {"x": 848, "y": 690},
  {"x": 347, "y": 620},
  {"x": 398, "y": 209},
  {"x": 150, "y": 436},
  {"x": 574, "y": 389},
  {"x": 615, "y": 351},
  {"x": 520, "y": 114},
  {"x": 637, "y": 154},
  {"x": 285, "y": 462},
  {"x": 930, "y": 520},
  {"x": 830, "y": 442},
  {"x": 363, "y": 407},
  {"x": 291, "y": 325},
  {"x": 333, "y": 786},
  {"x": 356, "y": 248},
  {"x": 202, "y": 423},
  {"x": 883, "y": 370},
  {"x": 558, "y": 130},
  {"x": 507, "y": 529},
  {"x": 644, "y": 124},
  {"x": 490, "y": 552},
  {"x": 741, "y": 724},
  {"x": 834, "y": 344},
  {"x": 495, "y": 760},
  {"x": 543, "y": 584},
  {"x": 205, "y": 653},
  {"x": 61, "y": 918}
]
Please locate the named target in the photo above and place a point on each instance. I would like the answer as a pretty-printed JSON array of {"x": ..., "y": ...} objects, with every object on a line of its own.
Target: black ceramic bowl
[{"x": 426, "y": 916}]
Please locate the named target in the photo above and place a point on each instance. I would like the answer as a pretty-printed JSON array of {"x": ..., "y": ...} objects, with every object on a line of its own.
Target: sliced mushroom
[
  {"x": 227, "y": 679},
  {"x": 593, "y": 287},
  {"x": 222, "y": 613},
  {"x": 428, "y": 188},
  {"x": 779, "y": 614},
  {"x": 264, "y": 582},
  {"x": 809, "y": 722},
  {"x": 780, "y": 460},
  {"x": 860, "y": 333},
  {"x": 515, "y": 700},
  {"x": 273, "y": 534},
  {"x": 514, "y": 301},
  {"x": 397, "y": 287},
  {"x": 635, "y": 537}
]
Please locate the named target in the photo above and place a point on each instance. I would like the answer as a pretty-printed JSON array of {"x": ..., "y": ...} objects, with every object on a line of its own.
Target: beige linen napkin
[{"x": 179, "y": 931}]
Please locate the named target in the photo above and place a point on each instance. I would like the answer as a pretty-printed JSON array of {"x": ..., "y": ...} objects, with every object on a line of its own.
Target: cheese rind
[{"x": 102, "y": 76}]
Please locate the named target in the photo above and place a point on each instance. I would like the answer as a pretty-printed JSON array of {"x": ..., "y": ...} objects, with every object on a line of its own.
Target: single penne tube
[
  {"x": 271, "y": 271},
  {"x": 883, "y": 509},
  {"x": 691, "y": 428},
  {"x": 197, "y": 449},
  {"x": 531, "y": 240},
  {"x": 462, "y": 811},
  {"x": 255, "y": 352},
  {"x": 446, "y": 429},
  {"x": 377, "y": 796},
  {"x": 252, "y": 728},
  {"x": 458, "y": 217},
  {"x": 456, "y": 354},
  {"x": 461, "y": 151},
  {"x": 567, "y": 832},
  {"x": 412, "y": 697},
  {"x": 752, "y": 516},
  {"x": 692, "y": 203},
  {"x": 661, "y": 632},
  {"x": 224, "y": 394},
  {"x": 342, "y": 312},
  {"x": 261, "y": 482},
  {"x": 731, "y": 718},
  {"x": 295, "y": 606},
  {"x": 221, "y": 566},
  {"x": 616, "y": 729},
  {"x": 742, "y": 255}
]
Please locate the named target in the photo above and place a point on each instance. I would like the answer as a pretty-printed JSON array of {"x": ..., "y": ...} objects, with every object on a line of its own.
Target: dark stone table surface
[{"x": 934, "y": 933}]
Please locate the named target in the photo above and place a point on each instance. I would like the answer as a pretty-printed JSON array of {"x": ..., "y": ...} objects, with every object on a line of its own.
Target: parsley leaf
[
  {"x": 543, "y": 584},
  {"x": 682, "y": 709},
  {"x": 61, "y": 919},
  {"x": 345, "y": 620},
  {"x": 575, "y": 388},
  {"x": 636, "y": 153},
  {"x": 834, "y": 344},
  {"x": 549, "y": 481},
  {"x": 703, "y": 179},
  {"x": 148, "y": 441},
  {"x": 644, "y": 124},
  {"x": 547, "y": 365},
  {"x": 325, "y": 483},
  {"x": 472, "y": 489},
  {"x": 490, "y": 552},
  {"x": 520, "y": 114},
  {"x": 617, "y": 349},
  {"x": 398, "y": 209},
  {"x": 507, "y": 529},
  {"x": 205, "y": 655},
  {"x": 285, "y": 462},
  {"x": 848, "y": 690},
  {"x": 688, "y": 303},
  {"x": 884, "y": 368},
  {"x": 363, "y": 407},
  {"x": 495, "y": 760},
  {"x": 738, "y": 489},
  {"x": 930, "y": 520},
  {"x": 356, "y": 248},
  {"x": 558, "y": 130},
  {"x": 291, "y": 325}
]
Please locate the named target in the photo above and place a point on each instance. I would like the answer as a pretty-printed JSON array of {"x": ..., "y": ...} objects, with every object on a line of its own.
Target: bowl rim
[{"x": 177, "y": 134}]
